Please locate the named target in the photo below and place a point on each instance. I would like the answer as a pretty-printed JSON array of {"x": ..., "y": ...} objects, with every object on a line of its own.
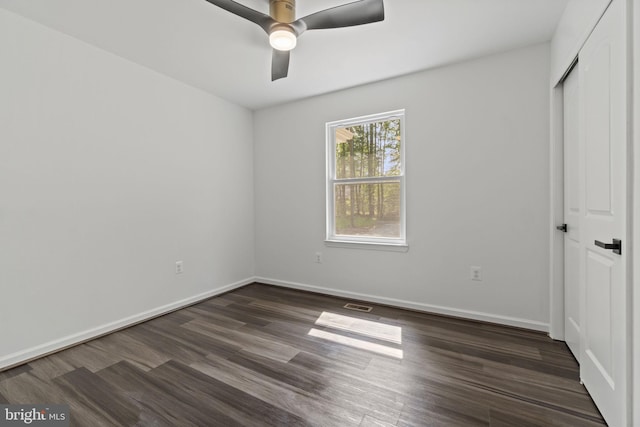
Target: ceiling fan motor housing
[{"x": 283, "y": 10}]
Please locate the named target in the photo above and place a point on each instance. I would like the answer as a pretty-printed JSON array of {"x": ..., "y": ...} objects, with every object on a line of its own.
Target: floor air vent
[{"x": 358, "y": 307}]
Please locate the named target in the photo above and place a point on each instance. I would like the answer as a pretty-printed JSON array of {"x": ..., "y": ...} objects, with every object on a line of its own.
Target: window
[{"x": 365, "y": 180}]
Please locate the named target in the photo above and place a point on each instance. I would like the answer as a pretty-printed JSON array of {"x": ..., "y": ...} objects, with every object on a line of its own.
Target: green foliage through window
[{"x": 372, "y": 150}]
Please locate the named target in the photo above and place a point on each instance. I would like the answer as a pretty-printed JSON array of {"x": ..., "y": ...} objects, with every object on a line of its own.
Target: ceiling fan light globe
[{"x": 283, "y": 40}]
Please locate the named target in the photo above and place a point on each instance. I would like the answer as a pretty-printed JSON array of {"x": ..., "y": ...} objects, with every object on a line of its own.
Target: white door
[
  {"x": 603, "y": 114},
  {"x": 572, "y": 294}
]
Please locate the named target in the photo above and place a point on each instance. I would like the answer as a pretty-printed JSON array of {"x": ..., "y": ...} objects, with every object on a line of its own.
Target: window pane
[
  {"x": 368, "y": 150},
  {"x": 367, "y": 209}
]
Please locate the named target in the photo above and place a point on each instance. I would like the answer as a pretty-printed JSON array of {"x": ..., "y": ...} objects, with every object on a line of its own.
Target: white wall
[
  {"x": 576, "y": 23},
  {"x": 477, "y": 181},
  {"x": 109, "y": 173},
  {"x": 635, "y": 224}
]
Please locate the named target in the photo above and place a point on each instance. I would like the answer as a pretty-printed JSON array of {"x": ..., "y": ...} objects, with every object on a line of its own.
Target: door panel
[
  {"x": 598, "y": 320},
  {"x": 598, "y": 138},
  {"x": 572, "y": 294},
  {"x": 603, "y": 136}
]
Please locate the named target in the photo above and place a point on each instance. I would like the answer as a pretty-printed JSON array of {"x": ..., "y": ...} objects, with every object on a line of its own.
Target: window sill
[{"x": 391, "y": 247}]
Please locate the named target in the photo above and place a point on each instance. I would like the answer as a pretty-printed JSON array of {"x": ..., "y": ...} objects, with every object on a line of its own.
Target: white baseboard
[
  {"x": 427, "y": 308},
  {"x": 24, "y": 356}
]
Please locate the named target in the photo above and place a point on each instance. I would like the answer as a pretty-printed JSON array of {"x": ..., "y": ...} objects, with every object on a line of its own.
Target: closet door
[{"x": 603, "y": 216}]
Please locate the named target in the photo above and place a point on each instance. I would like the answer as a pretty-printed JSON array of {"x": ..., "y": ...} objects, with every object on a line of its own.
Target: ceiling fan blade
[
  {"x": 279, "y": 64},
  {"x": 264, "y": 21},
  {"x": 356, "y": 13}
]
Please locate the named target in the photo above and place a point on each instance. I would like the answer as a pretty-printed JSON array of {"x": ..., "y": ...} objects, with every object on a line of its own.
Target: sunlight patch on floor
[{"x": 366, "y": 328}]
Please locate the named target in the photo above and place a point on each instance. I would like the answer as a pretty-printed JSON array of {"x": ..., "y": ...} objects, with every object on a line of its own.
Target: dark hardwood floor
[{"x": 266, "y": 356}]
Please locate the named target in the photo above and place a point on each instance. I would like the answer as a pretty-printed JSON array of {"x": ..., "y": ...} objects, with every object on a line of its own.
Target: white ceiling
[{"x": 209, "y": 48}]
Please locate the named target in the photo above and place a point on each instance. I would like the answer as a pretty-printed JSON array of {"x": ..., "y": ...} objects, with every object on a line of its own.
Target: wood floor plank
[
  {"x": 431, "y": 414},
  {"x": 369, "y": 421},
  {"x": 278, "y": 393},
  {"x": 270, "y": 348},
  {"x": 515, "y": 373},
  {"x": 221, "y": 301},
  {"x": 240, "y": 313},
  {"x": 297, "y": 313},
  {"x": 421, "y": 387},
  {"x": 520, "y": 413},
  {"x": 494, "y": 344},
  {"x": 268, "y": 356},
  {"x": 213, "y": 316},
  {"x": 97, "y": 402},
  {"x": 123, "y": 346},
  {"x": 238, "y": 405},
  {"x": 88, "y": 357},
  {"x": 51, "y": 366},
  {"x": 298, "y": 335},
  {"x": 15, "y": 372},
  {"x": 28, "y": 388},
  {"x": 501, "y": 356},
  {"x": 179, "y": 343},
  {"x": 161, "y": 402},
  {"x": 345, "y": 392}
]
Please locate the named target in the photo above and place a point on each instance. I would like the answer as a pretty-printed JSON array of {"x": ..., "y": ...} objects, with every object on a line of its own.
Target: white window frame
[{"x": 366, "y": 242}]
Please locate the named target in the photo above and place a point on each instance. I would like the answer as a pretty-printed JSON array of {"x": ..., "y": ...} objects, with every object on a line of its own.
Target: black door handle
[
  {"x": 562, "y": 228},
  {"x": 615, "y": 246}
]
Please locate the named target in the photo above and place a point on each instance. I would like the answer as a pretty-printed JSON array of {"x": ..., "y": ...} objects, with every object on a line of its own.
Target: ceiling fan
[{"x": 284, "y": 29}]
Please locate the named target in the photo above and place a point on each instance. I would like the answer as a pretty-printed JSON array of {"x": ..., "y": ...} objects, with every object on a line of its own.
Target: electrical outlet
[
  {"x": 319, "y": 257},
  {"x": 179, "y": 267},
  {"x": 476, "y": 273}
]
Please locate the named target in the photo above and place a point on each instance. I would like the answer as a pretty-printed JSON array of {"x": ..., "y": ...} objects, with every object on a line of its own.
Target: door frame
[
  {"x": 556, "y": 212},
  {"x": 556, "y": 206}
]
